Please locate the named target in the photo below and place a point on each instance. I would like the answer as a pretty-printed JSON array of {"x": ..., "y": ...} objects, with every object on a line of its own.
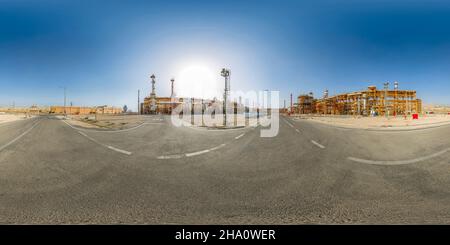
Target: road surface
[{"x": 55, "y": 173}]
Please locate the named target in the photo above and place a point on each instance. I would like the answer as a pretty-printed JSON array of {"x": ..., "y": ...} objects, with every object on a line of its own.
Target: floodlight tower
[
  {"x": 226, "y": 74},
  {"x": 153, "y": 84},
  {"x": 153, "y": 95},
  {"x": 172, "y": 93}
]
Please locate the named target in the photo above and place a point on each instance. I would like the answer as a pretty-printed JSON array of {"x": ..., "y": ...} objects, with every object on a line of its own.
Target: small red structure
[{"x": 415, "y": 116}]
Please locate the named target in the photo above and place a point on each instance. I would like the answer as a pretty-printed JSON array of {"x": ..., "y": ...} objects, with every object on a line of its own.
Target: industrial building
[
  {"x": 159, "y": 105},
  {"x": 165, "y": 105},
  {"x": 25, "y": 110},
  {"x": 368, "y": 102}
]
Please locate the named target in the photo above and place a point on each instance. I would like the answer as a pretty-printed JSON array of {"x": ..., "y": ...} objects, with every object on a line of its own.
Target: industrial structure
[
  {"x": 159, "y": 105},
  {"x": 69, "y": 110},
  {"x": 165, "y": 105},
  {"x": 34, "y": 109},
  {"x": 385, "y": 102},
  {"x": 226, "y": 74}
]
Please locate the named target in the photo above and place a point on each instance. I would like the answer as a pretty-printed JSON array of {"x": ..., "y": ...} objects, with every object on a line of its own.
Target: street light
[
  {"x": 226, "y": 74},
  {"x": 65, "y": 97},
  {"x": 386, "y": 87}
]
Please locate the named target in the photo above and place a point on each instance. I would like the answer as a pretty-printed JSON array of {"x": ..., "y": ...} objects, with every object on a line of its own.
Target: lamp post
[
  {"x": 395, "y": 98},
  {"x": 386, "y": 87},
  {"x": 139, "y": 102},
  {"x": 203, "y": 122},
  {"x": 226, "y": 74},
  {"x": 65, "y": 99}
]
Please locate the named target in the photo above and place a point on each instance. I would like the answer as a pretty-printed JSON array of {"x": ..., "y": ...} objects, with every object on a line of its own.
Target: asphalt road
[{"x": 54, "y": 173}]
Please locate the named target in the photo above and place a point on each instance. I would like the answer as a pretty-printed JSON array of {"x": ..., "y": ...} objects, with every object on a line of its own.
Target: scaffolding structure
[
  {"x": 369, "y": 102},
  {"x": 305, "y": 104}
]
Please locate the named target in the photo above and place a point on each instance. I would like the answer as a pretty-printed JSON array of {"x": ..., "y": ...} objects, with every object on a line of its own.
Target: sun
[{"x": 198, "y": 81}]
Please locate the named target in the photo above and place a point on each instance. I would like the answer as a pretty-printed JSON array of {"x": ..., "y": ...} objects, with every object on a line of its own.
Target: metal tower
[
  {"x": 226, "y": 74},
  {"x": 172, "y": 93},
  {"x": 153, "y": 95}
]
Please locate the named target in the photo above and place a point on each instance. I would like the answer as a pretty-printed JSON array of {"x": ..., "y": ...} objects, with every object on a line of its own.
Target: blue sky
[{"x": 104, "y": 51}]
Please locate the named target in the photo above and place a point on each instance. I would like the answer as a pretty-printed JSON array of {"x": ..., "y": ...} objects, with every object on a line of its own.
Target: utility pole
[
  {"x": 203, "y": 122},
  {"x": 65, "y": 98},
  {"x": 386, "y": 87},
  {"x": 395, "y": 98},
  {"x": 290, "y": 111},
  {"x": 192, "y": 111},
  {"x": 139, "y": 102},
  {"x": 226, "y": 74}
]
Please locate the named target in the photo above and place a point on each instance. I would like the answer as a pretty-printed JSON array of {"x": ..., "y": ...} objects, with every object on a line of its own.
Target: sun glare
[{"x": 198, "y": 81}]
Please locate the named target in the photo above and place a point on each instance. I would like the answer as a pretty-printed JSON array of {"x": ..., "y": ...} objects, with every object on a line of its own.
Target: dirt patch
[
  {"x": 4, "y": 118},
  {"x": 379, "y": 122},
  {"x": 114, "y": 122}
]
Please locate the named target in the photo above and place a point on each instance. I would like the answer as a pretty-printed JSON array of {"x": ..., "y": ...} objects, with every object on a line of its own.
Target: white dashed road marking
[
  {"x": 97, "y": 142},
  {"x": 90, "y": 138},
  {"x": 171, "y": 156},
  {"x": 119, "y": 150},
  {"x": 18, "y": 137},
  {"x": 399, "y": 162},
  {"x": 196, "y": 153},
  {"x": 217, "y": 147},
  {"x": 288, "y": 123},
  {"x": 177, "y": 156},
  {"x": 239, "y": 136},
  {"x": 317, "y": 144},
  {"x": 107, "y": 146},
  {"x": 191, "y": 154},
  {"x": 85, "y": 135},
  {"x": 113, "y": 131}
]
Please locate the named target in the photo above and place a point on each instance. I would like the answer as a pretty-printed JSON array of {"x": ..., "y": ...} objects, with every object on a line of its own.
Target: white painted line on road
[
  {"x": 107, "y": 146},
  {"x": 399, "y": 162},
  {"x": 124, "y": 130},
  {"x": 119, "y": 150},
  {"x": 177, "y": 156},
  {"x": 90, "y": 138},
  {"x": 18, "y": 137},
  {"x": 121, "y": 130},
  {"x": 288, "y": 123},
  {"x": 97, "y": 142},
  {"x": 196, "y": 153},
  {"x": 112, "y": 131},
  {"x": 317, "y": 144},
  {"x": 171, "y": 156},
  {"x": 217, "y": 147},
  {"x": 212, "y": 130},
  {"x": 239, "y": 136},
  {"x": 69, "y": 124}
]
